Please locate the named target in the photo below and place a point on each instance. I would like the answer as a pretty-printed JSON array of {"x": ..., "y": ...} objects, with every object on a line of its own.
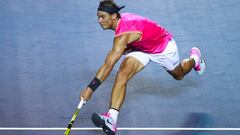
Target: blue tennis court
[{"x": 51, "y": 49}]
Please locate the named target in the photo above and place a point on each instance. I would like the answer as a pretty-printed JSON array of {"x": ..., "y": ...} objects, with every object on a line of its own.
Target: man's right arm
[
  {"x": 113, "y": 56},
  {"x": 119, "y": 46}
]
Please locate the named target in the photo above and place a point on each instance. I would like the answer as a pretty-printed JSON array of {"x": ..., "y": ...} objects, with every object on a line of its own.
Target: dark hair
[{"x": 110, "y": 7}]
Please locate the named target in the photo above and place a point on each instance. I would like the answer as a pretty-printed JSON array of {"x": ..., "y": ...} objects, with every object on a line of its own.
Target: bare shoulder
[{"x": 129, "y": 37}]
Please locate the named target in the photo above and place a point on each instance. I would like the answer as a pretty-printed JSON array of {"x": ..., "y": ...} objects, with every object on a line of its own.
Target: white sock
[
  {"x": 196, "y": 59},
  {"x": 114, "y": 114}
]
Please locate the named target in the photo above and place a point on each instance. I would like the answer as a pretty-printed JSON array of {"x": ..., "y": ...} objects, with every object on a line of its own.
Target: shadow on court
[{"x": 195, "y": 120}]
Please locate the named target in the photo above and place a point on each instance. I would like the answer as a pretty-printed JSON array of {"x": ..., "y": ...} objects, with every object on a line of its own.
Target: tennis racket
[{"x": 67, "y": 132}]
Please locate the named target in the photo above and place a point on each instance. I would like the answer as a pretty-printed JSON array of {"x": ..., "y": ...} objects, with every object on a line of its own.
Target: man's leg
[
  {"x": 195, "y": 61},
  {"x": 182, "y": 69},
  {"x": 129, "y": 67}
]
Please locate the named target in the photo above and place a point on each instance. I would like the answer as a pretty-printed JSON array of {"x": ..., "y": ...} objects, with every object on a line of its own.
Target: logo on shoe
[{"x": 109, "y": 122}]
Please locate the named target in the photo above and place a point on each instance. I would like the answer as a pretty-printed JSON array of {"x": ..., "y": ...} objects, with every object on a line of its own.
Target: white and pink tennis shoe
[
  {"x": 106, "y": 122},
  {"x": 200, "y": 64}
]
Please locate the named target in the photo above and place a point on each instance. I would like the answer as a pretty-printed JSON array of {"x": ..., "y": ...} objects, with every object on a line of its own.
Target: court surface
[{"x": 51, "y": 49}]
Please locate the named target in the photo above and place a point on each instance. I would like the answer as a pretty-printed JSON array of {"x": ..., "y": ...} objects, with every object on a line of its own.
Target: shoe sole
[{"x": 97, "y": 121}]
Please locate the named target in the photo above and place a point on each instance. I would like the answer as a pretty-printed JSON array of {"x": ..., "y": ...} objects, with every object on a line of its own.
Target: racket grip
[{"x": 81, "y": 103}]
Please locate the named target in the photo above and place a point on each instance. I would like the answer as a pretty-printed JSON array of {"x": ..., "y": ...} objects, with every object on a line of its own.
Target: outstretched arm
[
  {"x": 112, "y": 58},
  {"x": 119, "y": 46}
]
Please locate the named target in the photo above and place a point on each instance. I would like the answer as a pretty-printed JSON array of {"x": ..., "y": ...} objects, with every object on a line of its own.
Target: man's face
[{"x": 105, "y": 19}]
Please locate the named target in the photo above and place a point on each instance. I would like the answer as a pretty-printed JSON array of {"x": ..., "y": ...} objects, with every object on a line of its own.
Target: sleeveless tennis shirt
[{"x": 154, "y": 38}]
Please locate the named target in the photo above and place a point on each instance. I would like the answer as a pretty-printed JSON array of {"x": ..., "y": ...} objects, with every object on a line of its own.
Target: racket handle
[{"x": 81, "y": 103}]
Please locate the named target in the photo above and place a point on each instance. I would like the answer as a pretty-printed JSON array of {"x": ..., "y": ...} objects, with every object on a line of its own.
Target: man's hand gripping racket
[{"x": 67, "y": 132}]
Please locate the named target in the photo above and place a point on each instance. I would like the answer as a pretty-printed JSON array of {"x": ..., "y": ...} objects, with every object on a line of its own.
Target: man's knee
[
  {"x": 178, "y": 77},
  {"x": 128, "y": 69},
  {"x": 177, "y": 73},
  {"x": 122, "y": 77}
]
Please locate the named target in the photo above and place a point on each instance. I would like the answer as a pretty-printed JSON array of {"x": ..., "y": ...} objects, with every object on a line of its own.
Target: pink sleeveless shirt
[{"x": 154, "y": 38}]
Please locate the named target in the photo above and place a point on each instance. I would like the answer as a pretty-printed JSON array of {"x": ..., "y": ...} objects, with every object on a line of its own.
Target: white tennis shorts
[{"x": 169, "y": 58}]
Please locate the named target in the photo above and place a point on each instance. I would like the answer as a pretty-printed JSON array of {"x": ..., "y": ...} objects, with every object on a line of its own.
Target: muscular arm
[{"x": 119, "y": 46}]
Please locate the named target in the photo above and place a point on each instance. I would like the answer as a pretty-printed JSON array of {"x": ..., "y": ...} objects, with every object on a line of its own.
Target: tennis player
[{"x": 142, "y": 41}]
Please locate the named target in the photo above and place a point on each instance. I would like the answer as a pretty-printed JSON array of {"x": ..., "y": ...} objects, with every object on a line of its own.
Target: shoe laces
[{"x": 106, "y": 114}]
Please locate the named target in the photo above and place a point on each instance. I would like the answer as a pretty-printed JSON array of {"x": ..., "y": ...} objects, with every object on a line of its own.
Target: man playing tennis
[{"x": 143, "y": 41}]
